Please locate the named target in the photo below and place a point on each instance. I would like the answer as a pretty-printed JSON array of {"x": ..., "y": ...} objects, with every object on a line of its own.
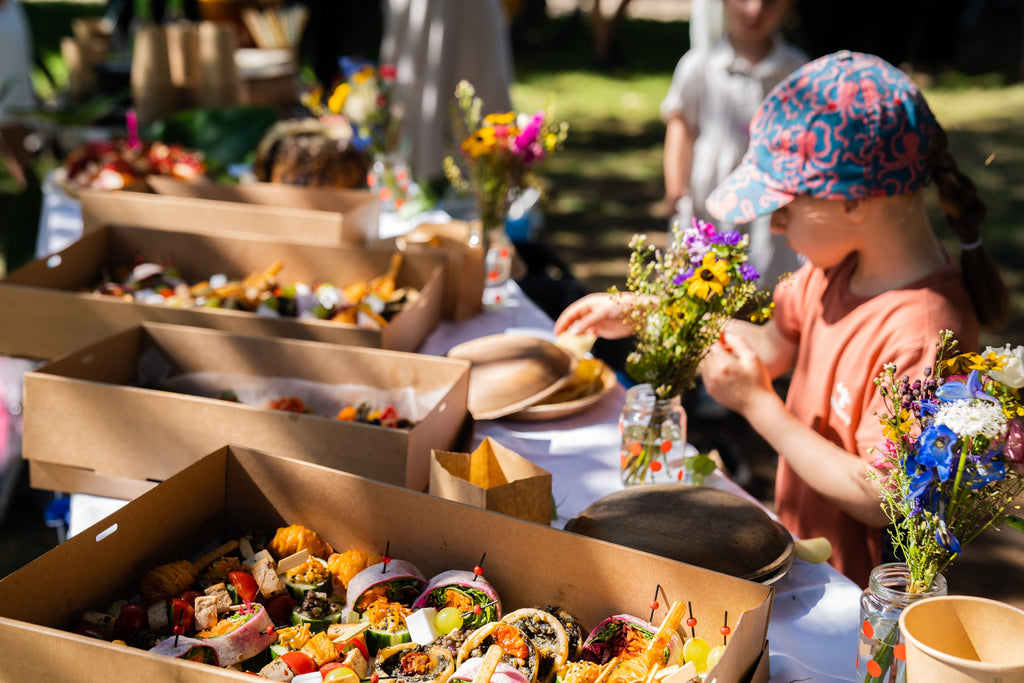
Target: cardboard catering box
[
  {"x": 48, "y": 307},
  {"x": 346, "y": 219},
  {"x": 94, "y": 425},
  {"x": 528, "y": 564}
]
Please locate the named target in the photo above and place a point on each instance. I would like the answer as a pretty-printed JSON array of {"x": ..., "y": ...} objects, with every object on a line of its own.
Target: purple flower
[
  {"x": 748, "y": 272},
  {"x": 729, "y": 237},
  {"x": 682, "y": 276},
  {"x": 526, "y": 143}
]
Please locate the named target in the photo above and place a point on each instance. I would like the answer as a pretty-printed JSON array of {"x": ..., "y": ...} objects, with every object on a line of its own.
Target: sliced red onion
[
  {"x": 379, "y": 573},
  {"x": 504, "y": 673},
  {"x": 595, "y": 650}
]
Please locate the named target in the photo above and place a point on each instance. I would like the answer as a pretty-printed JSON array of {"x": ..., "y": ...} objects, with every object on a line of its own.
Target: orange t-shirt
[{"x": 844, "y": 341}]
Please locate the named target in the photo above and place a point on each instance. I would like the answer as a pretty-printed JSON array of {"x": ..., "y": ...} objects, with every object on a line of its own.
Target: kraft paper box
[
  {"x": 116, "y": 416},
  {"x": 528, "y": 564},
  {"x": 464, "y": 271},
  {"x": 137, "y": 208},
  {"x": 48, "y": 307},
  {"x": 494, "y": 478}
]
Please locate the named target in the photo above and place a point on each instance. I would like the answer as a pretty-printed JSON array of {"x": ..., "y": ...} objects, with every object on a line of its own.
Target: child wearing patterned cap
[{"x": 840, "y": 154}]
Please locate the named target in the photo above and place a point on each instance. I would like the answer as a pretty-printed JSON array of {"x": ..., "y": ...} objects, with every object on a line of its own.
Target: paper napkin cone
[
  {"x": 218, "y": 72},
  {"x": 153, "y": 93},
  {"x": 494, "y": 478},
  {"x": 963, "y": 639},
  {"x": 182, "y": 50}
]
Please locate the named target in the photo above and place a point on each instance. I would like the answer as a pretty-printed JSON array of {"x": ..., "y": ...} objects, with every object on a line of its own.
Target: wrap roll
[
  {"x": 397, "y": 581},
  {"x": 572, "y": 629},
  {"x": 232, "y": 640},
  {"x": 548, "y": 636},
  {"x": 457, "y": 588},
  {"x": 502, "y": 674},
  {"x": 625, "y": 636},
  {"x": 414, "y": 663},
  {"x": 517, "y": 650}
]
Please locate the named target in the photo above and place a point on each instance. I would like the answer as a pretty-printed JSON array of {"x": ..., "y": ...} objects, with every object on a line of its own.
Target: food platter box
[
  {"x": 130, "y": 410},
  {"x": 528, "y": 564},
  {"x": 464, "y": 283},
  {"x": 48, "y": 306},
  {"x": 310, "y": 215}
]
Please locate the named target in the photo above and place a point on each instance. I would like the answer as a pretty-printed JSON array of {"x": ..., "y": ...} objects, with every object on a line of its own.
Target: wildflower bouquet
[
  {"x": 500, "y": 152},
  {"x": 365, "y": 98},
  {"x": 953, "y": 459},
  {"x": 685, "y": 295}
]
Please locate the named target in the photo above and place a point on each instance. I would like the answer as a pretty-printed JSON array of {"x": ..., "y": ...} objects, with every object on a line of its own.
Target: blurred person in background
[
  {"x": 434, "y": 44},
  {"x": 715, "y": 91}
]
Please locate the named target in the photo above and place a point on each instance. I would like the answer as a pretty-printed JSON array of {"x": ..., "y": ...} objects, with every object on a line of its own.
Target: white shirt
[{"x": 717, "y": 92}]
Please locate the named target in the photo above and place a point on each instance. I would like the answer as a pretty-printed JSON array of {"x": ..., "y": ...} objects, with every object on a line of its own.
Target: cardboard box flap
[{"x": 128, "y": 208}]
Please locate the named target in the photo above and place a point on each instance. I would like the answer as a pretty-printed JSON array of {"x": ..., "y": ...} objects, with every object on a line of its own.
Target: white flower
[
  {"x": 1012, "y": 374},
  {"x": 361, "y": 102},
  {"x": 972, "y": 418}
]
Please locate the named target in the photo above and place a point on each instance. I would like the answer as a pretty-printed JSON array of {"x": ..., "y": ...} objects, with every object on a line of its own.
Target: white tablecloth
[{"x": 812, "y": 635}]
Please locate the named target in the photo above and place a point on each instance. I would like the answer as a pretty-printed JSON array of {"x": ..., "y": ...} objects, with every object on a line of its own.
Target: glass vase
[
  {"x": 654, "y": 448},
  {"x": 881, "y": 654},
  {"x": 497, "y": 266},
  {"x": 390, "y": 180}
]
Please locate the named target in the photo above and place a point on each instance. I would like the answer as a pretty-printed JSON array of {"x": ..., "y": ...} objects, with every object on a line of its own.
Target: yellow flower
[
  {"x": 479, "y": 143},
  {"x": 711, "y": 277},
  {"x": 895, "y": 428},
  {"x": 337, "y": 99},
  {"x": 363, "y": 75},
  {"x": 986, "y": 362},
  {"x": 506, "y": 119}
]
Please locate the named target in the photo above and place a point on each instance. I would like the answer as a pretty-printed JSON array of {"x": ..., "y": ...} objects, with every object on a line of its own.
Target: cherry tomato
[
  {"x": 183, "y": 614},
  {"x": 190, "y": 597},
  {"x": 279, "y": 609},
  {"x": 245, "y": 585},
  {"x": 131, "y": 618},
  {"x": 299, "y": 662},
  {"x": 359, "y": 643}
]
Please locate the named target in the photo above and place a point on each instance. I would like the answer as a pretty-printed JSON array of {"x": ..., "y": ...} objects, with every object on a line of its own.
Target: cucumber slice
[
  {"x": 298, "y": 588},
  {"x": 377, "y": 640},
  {"x": 317, "y": 624},
  {"x": 277, "y": 649}
]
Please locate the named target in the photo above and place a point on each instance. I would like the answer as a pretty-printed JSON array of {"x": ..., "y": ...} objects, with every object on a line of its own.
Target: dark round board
[{"x": 698, "y": 525}]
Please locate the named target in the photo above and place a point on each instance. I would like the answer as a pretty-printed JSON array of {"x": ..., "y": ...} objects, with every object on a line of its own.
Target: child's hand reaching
[
  {"x": 603, "y": 314},
  {"x": 734, "y": 375}
]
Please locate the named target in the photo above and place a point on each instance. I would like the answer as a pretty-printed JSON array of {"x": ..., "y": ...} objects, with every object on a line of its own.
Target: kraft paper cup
[{"x": 961, "y": 639}]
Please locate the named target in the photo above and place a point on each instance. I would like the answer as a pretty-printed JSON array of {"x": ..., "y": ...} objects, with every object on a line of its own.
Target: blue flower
[
  {"x": 958, "y": 391},
  {"x": 946, "y": 538},
  {"x": 935, "y": 449},
  {"x": 988, "y": 468}
]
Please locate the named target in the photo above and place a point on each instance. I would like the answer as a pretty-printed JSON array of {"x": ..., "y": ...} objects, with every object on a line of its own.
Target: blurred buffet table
[{"x": 814, "y": 621}]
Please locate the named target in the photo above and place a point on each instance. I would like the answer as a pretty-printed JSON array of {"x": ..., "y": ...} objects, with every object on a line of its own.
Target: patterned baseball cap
[{"x": 845, "y": 126}]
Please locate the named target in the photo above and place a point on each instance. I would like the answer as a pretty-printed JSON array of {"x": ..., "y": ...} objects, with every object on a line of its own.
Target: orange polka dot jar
[
  {"x": 881, "y": 654},
  {"x": 654, "y": 448}
]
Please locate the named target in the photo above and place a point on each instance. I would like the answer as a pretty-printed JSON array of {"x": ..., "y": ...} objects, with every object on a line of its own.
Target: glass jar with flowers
[
  {"x": 499, "y": 155},
  {"x": 682, "y": 297},
  {"x": 950, "y": 467}
]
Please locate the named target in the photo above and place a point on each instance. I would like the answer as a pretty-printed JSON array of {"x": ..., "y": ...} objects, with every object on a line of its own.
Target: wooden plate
[
  {"x": 698, "y": 525},
  {"x": 556, "y": 411},
  {"x": 512, "y": 371}
]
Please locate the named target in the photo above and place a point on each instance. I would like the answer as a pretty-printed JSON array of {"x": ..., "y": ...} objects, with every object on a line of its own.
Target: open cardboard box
[
  {"x": 48, "y": 307},
  {"x": 92, "y": 425},
  {"x": 528, "y": 564},
  {"x": 346, "y": 219}
]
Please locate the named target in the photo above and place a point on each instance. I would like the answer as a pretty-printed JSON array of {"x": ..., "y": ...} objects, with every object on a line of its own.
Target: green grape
[
  {"x": 447, "y": 620},
  {"x": 713, "y": 656},
  {"x": 696, "y": 651}
]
